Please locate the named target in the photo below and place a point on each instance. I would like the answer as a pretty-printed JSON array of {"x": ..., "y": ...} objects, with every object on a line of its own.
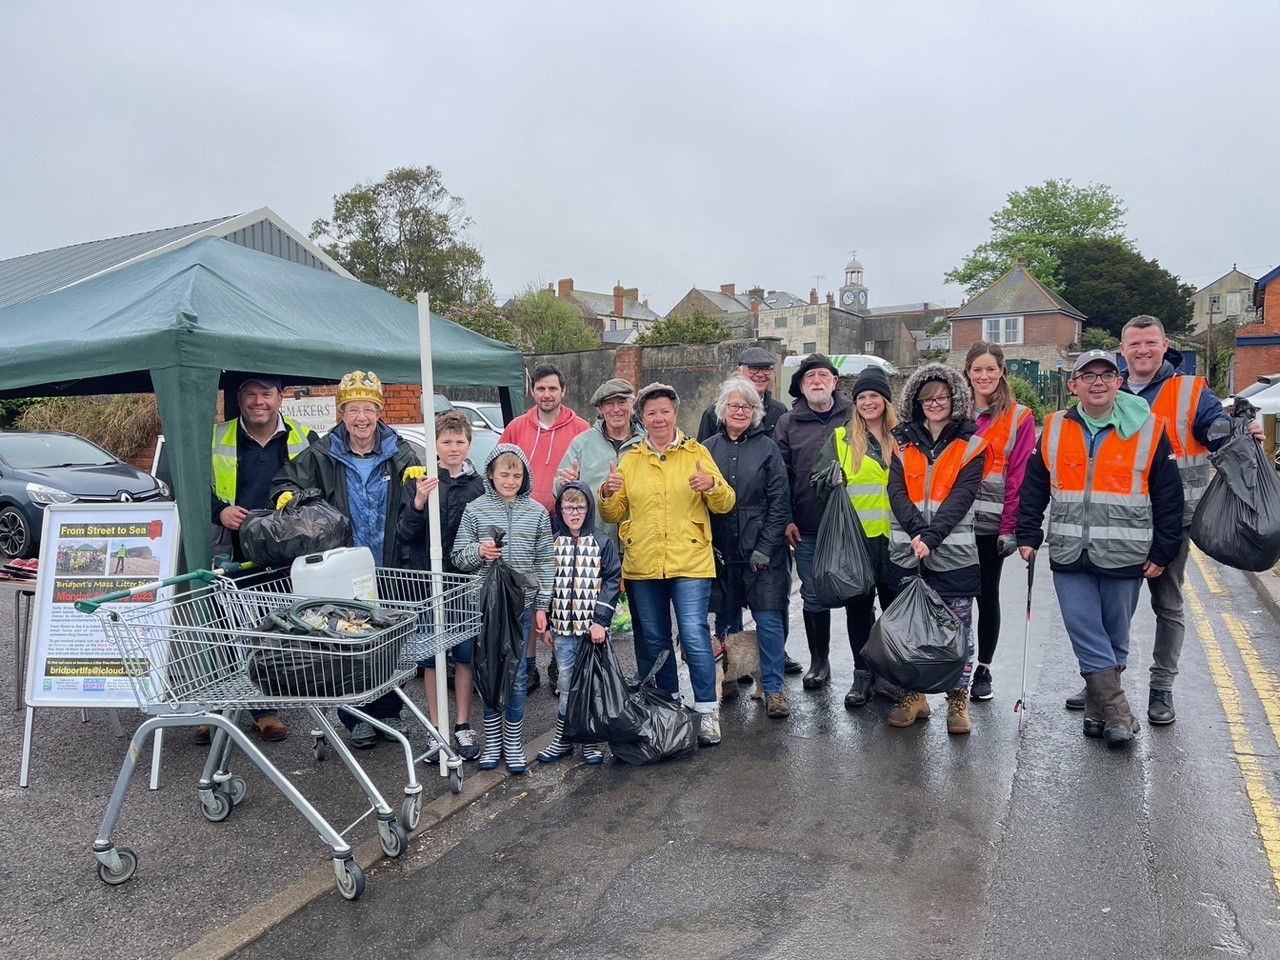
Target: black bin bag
[
  {"x": 668, "y": 728},
  {"x": 600, "y": 708},
  {"x": 842, "y": 568},
  {"x": 918, "y": 643},
  {"x": 1237, "y": 521},
  {"x": 307, "y": 524},
  {"x": 500, "y": 645}
]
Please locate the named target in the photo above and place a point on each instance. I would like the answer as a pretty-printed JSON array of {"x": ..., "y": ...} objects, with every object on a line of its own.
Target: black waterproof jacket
[
  {"x": 753, "y": 467},
  {"x": 412, "y": 527},
  {"x": 800, "y": 435}
]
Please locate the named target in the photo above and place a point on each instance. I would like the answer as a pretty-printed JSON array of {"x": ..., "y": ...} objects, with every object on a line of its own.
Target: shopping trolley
[
  {"x": 447, "y": 611},
  {"x": 192, "y": 658}
]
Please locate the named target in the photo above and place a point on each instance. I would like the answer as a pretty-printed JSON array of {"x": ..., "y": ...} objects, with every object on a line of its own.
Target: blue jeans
[
  {"x": 515, "y": 701},
  {"x": 1096, "y": 610},
  {"x": 804, "y": 566},
  {"x": 567, "y": 649},
  {"x": 653, "y": 601},
  {"x": 772, "y": 648}
]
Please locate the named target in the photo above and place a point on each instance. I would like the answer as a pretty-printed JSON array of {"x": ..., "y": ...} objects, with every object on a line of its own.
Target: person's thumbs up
[
  {"x": 570, "y": 474},
  {"x": 701, "y": 481},
  {"x": 612, "y": 483}
]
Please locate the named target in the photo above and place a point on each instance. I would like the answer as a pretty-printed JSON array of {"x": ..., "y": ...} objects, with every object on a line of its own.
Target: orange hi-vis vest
[
  {"x": 1177, "y": 402},
  {"x": 1001, "y": 436},
  {"x": 928, "y": 486},
  {"x": 1100, "y": 498}
]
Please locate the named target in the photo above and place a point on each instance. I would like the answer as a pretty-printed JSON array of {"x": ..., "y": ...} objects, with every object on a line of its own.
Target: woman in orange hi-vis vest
[
  {"x": 1010, "y": 432},
  {"x": 1106, "y": 472},
  {"x": 933, "y": 481}
]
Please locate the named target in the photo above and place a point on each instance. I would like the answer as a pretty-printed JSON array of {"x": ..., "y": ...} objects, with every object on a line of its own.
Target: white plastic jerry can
[{"x": 342, "y": 572}]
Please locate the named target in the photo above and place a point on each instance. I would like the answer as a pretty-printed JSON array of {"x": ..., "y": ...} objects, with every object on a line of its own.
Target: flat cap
[{"x": 617, "y": 387}]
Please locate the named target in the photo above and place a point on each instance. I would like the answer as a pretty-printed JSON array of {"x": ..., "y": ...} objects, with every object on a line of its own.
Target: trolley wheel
[
  {"x": 455, "y": 780},
  {"x": 393, "y": 839},
  {"x": 351, "y": 883},
  {"x": 236, "y": 789},
  {"x": 411, "y": 811},
  {"x": 128, "y": 864},
  {"x": 320, "y": 750},
  {"x": 219, "y": 806}
]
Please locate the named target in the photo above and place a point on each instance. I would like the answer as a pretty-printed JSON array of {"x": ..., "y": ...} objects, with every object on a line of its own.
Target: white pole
[{"x": 433, "y": 509}]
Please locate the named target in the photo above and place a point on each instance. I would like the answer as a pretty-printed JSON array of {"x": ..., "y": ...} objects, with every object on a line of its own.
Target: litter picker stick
[{"x": 1019, "y": 707}]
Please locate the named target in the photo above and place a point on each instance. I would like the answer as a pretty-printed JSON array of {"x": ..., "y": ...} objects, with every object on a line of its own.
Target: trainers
[
  {"x": 911, "y": 707},
  {"x": 592, "y": 755},
  {"x": 468, "y": 747},
  {"x": 396, "y": 724},
  {"x": 709, "y": 734},
  {"x": 433, "y": 750},
  {"x": 534, "y": 681},
  {"x": 776, "y": 706},
  {"x": 980, "y": 688},
  {"x": 791, "y": 667},
  {"x": 271, "y": 728},
  {"x": 363, "y": 736}
]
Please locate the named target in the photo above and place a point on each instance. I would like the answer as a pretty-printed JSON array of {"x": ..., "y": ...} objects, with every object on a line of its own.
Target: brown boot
[
  {"x": 958, "y": 710},
  {"x": 1119, "y": 723},
  {"x": 911, "y": 707},
  {"x": 1093, "y": 723}
]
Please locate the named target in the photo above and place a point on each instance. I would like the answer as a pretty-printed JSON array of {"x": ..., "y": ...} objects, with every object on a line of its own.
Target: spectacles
[
  {"x": 936, "y": 402},
  {"x": 580, "y": 508},
  {"x": 761, "y": 368},
  {"x": 1106, "y": 376},
  {"x": 738, "y": 407}
]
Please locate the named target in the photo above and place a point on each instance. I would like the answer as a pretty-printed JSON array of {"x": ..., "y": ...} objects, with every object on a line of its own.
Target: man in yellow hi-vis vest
[{"x": 247, "y": 452}]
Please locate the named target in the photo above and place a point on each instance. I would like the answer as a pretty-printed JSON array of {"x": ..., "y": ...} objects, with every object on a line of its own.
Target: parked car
[
  {"x": 40, "y": 468},
  {"x": 487, "y": 416}
]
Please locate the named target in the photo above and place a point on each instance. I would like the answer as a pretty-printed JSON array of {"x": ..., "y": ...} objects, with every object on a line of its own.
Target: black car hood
[{"x": 105, "y": 482}]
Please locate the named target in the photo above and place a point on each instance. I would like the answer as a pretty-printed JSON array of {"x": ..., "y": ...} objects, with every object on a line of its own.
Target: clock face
[
  {"x": 847, "y": 298},
  {"x": 862, "y": 298}
]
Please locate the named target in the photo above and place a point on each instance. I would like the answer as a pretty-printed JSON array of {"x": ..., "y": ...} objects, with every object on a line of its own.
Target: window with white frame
[{"x": 1003, "y": 330}]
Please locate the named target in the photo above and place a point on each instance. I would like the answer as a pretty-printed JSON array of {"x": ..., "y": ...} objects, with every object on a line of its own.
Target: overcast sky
[{"x": 663, "y": 145}]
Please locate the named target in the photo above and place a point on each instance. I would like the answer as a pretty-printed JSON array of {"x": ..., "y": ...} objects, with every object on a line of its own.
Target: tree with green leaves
[
  {"x": 406, "y": 233},
  {"x": 549, "y": 323},
  {"x": 487, "y": 319},
  {"x": 1111, "y": 283},
  {"x": 697, "y": 327},
  {"x": 1039, "y": 223},
  {"x": 1096, "y": 338}
]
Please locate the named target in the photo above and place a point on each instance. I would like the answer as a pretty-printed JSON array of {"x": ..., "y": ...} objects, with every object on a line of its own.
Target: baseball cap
[
  {"x": 1090, "y": 356},
  {"x": 263, "y": 379}
]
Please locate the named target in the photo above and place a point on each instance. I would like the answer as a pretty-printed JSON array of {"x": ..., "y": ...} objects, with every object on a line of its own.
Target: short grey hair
[
  {"x": 745, "y": 389},
  {"x": 1142, "y": 322}
]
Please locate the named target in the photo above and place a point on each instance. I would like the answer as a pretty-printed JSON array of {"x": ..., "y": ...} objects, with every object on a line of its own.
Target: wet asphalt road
[
  {"x": 834, "y": 835},
  {"x": 828, "y": 835}
]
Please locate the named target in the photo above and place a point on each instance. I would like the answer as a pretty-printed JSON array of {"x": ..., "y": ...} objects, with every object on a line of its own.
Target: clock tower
[{"x": 853, "y": 295}]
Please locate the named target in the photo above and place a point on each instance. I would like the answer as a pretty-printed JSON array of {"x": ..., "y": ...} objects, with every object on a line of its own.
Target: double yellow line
[{"x": 1265, "y": 684}]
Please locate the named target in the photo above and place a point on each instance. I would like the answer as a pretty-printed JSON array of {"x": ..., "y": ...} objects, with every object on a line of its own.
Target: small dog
[{"x": 738, "y": 655}]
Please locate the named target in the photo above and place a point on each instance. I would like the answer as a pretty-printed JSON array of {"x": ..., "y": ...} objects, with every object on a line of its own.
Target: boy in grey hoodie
[{"x": 528, "y": 548}]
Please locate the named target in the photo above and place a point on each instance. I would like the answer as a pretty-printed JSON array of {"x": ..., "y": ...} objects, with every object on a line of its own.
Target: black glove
[{"x": 1006, "y": 545}]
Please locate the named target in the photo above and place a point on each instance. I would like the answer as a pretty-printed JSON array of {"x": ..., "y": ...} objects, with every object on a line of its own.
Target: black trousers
[{"x": 990, "y": 564}]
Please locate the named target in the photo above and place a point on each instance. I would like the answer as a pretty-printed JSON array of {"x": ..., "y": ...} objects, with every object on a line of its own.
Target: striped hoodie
[{"x": 529, "y": 546}]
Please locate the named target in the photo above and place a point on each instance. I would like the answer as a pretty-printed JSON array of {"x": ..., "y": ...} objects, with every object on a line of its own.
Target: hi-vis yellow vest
[
  {"x": 224, "y": 454},
  {"x": 868, "y": 487}
]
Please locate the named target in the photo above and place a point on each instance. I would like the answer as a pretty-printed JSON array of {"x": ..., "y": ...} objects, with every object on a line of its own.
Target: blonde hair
[{"x": 858, "y": 430}]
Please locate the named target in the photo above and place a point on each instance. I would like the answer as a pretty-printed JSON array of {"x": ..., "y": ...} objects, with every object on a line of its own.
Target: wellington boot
[
  {"x": 958, "y": 710},
  {"x": 817, "y": 628},
  {"x": 912, "y": 707}
]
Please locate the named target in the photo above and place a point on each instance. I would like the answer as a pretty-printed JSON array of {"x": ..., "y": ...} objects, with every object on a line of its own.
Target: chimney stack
[
  {"x": 813, "y": 296},
  {"x": 831, "y": 298},
  {"x": 565, "y": 288},
  {"x": 619, "y": 295},
  {"x": 727, "y": 289}
]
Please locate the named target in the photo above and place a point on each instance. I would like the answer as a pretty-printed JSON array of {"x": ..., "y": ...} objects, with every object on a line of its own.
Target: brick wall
[
  {"x": 1038, "y": 330},
  {"x": 1256, "y": 359}
]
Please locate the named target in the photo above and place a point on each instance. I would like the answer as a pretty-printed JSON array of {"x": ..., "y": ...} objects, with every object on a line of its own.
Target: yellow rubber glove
[
  {"x": 413, "y": 473},
  {"x": 284, "y": 499}
]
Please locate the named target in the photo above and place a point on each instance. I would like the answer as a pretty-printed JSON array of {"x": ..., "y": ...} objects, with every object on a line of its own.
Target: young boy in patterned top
[{"x": 583, "y": 599}]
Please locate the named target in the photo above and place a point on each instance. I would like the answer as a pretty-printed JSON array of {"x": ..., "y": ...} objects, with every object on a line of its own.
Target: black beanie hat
[{"x": 873, "y": 378}]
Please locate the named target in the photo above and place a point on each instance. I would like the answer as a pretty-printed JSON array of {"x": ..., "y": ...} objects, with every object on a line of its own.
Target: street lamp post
[{"x": 1215, "y": 306}]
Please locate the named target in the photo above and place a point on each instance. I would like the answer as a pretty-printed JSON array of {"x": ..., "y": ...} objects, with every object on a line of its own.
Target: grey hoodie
[{"x": 528, "y": 547}]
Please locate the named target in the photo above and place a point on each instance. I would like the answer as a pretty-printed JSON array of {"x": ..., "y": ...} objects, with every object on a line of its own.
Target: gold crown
[{"x": 359, "y": 385}]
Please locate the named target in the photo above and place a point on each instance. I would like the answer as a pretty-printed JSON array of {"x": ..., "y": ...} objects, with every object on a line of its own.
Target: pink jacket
[
  {"x": 544, "y": 447},
  {"x": 1024, "y": 445}
]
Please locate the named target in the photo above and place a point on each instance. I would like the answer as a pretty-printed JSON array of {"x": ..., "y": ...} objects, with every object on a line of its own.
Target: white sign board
[
  {"x": 88, "y": 550},
  {"x": 318, "y": 413}
]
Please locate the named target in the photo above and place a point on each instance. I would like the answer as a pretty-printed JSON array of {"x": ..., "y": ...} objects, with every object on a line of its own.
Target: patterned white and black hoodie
[{"x": 588, "y": 572}]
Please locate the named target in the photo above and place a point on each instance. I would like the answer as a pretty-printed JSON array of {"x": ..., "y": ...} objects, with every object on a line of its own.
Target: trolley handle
[{"x": 204, "y": 576}]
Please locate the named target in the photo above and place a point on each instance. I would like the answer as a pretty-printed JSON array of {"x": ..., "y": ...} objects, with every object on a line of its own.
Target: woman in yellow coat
[{"x": 662, "y": 494}]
